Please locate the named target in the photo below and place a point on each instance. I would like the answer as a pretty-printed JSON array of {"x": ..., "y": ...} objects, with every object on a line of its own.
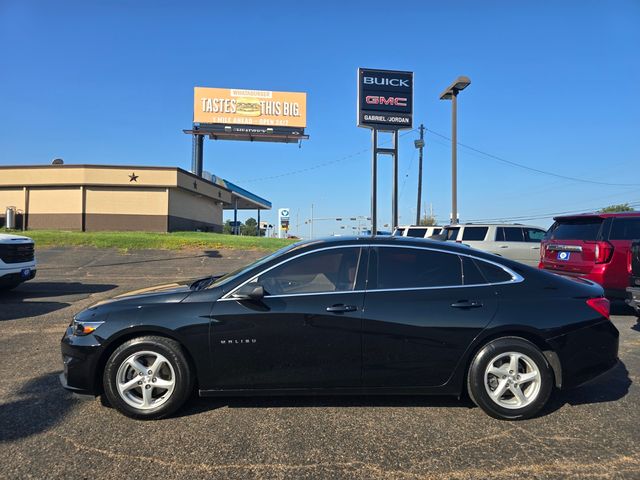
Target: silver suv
[{"x": 516, "y": 242}]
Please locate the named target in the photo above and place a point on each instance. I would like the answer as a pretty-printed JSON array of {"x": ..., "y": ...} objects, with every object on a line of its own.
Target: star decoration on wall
[{"x": 133, "y": 177}]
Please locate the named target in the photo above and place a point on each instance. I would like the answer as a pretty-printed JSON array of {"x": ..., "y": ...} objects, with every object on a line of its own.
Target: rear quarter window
[
  {"x": 577, "y": 229},
  {"x": 492, "y": 273},
  {"x": 625, "y": 229}
]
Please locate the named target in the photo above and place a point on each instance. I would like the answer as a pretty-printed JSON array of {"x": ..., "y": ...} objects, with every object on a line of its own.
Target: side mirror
[{"x": 250, "y": 291}]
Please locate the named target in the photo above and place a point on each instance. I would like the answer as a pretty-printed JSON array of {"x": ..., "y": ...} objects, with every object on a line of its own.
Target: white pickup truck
[{"x": 17, "y": 260}]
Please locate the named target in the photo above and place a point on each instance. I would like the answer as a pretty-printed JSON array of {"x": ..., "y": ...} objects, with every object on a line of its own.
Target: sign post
[
  {"x": 283, "y": 222},
  {"x": 385, "y": 104}
]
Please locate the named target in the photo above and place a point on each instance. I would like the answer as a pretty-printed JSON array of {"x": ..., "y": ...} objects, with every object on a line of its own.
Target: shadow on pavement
[
  {"x": 610, "y": 387},
  {"x": 621, "y": 308},
  {"x": 203, "y": 404},
  {"x": 18, "y": 303},
  {"x": 205, "y": 254},
  {"x": 43, "y": 404}
]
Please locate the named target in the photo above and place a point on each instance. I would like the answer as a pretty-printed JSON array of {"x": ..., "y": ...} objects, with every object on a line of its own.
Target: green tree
[
  {"x": 250, "y": 227},
  {"x": 427, "y": 220},
  {"x": 623, "y": 207}
]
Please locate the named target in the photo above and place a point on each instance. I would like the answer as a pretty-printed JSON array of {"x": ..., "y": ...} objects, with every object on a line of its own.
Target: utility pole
[
  {"x": 420, "y": 146},
  {"x": 311, "y": 222}
]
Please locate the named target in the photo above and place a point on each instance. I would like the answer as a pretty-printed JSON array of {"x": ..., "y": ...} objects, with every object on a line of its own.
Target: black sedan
[{"x": 381, "y": 315}]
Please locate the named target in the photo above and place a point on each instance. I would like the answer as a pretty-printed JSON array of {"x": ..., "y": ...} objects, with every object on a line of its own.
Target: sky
[{"x": 555, "y": 87}]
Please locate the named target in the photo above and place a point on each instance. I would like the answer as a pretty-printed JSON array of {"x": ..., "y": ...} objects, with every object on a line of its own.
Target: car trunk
[{"x": 574, "y": 245}]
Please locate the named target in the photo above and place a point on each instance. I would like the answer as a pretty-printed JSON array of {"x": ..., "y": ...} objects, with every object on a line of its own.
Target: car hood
[
  {"x": 7, "y": 238},
  {"x": 167, "y": 293}
]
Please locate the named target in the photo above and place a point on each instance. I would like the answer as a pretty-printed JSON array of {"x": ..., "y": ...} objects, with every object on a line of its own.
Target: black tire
[
  {"x": 476, "y": 379},
  {"x": 176, "y": 368}
]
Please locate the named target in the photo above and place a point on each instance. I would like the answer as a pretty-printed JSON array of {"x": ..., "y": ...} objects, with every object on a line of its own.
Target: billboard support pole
[
  {"x": 196, "y": 154},
  {"x": 235, "y": 229}
]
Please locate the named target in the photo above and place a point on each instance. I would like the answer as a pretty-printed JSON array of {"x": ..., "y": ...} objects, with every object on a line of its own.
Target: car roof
[
  {"x": 598, "y": 215},
  {"x": 494, "y": 225},
  {"x": 381, "y": 240}
]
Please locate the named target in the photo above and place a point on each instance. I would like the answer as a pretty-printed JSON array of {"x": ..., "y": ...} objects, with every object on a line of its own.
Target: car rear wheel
[
  {"x": 510, "y": 379},
  {"x": 148, "y": 377}
]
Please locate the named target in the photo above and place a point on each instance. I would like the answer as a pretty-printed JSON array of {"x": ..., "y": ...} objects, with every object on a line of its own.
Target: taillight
[
  {"x": 600, "y": 305},
  {"x": 603, "y": 252},
  {"x": 543, "y": 251}
]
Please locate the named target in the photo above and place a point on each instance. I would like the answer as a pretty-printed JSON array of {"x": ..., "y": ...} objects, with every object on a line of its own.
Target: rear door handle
[
  {"x": 504, "y": 246},
  {"x": 466, "y": 304},
  {"x": 341, "y": 308},
  {"x": 535, "y": 248}
]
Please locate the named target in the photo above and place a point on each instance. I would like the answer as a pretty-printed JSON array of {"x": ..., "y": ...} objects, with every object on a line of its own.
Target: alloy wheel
[{"x": 145, "y": 380}]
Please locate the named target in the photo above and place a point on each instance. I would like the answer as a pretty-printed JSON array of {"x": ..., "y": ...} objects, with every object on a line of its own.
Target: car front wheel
[
  {"x": 510, "y": 379},
  {"x": 148, "y": 377}
]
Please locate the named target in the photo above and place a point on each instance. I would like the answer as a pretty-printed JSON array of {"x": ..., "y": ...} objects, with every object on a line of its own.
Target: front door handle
[
  {"x": 340, "y": 308},
  {"x": 466, "y": 304},
  {"x": 504, "y": 246}
]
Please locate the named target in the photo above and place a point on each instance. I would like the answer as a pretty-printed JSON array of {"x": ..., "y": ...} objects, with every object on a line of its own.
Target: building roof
[{"x": 130, "y": 176}]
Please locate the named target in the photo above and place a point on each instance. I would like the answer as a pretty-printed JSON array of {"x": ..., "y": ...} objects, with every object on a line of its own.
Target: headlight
[{"x": 81, "y": 328}]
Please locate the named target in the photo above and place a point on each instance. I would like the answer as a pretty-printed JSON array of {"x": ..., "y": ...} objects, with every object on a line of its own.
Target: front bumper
[
  {"x": 10, "y": 277},
  {"x": 587, "y": 352},
  {"x": 633, "y": 298},
  {"x": 80, "y": 357}
]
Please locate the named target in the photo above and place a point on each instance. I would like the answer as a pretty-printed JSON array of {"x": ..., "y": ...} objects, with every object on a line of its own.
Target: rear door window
[
  {"x": 625, "y": 229},
  {"x": 577, "y": 229},
  {"x": 408, "y": 268},
  {"x": 416, "y": 232},
  {"x": 436, "y": 231},
  {"x": 474, "y": 233},
  {"x": 398, "y": 232}
]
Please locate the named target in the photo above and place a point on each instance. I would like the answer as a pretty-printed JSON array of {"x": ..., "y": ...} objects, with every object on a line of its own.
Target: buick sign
[{"x": 385, "y": 99}]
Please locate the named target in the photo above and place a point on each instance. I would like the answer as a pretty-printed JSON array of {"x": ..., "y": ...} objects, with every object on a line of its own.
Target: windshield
[{"x": 229, "y": 276}]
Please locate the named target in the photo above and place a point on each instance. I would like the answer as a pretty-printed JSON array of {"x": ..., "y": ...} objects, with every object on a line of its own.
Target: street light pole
[
  {"x": 451, "y": 93},
  {"x": 454, "y": 157},
  {"x": 420, "y": 145}
]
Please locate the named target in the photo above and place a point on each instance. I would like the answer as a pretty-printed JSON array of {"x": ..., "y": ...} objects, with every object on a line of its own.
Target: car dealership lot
[{"x": 46, "y": 432}]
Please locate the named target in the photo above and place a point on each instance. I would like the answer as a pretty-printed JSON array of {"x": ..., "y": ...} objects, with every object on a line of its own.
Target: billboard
[
  {"x": 258, "y": 108},
  {"x": 385, "y": 99}
]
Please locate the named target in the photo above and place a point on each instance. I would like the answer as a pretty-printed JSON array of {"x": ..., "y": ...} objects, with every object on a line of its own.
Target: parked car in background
[
  {"x": 593, "y": 245},
  {"x": 418, "y": 231},
  {"x": 17, "y": 260},
  {"x": 366, "y": 315},
  {"x": 633, "y": 291},
  {"x": 516, "y": 242}
]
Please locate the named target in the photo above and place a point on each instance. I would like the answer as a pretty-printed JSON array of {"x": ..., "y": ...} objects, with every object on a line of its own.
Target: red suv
[{"x": 592, "y": 245}]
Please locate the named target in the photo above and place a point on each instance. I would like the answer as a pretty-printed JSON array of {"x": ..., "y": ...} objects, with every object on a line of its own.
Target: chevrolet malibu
[{"x": 372, "y": 315}]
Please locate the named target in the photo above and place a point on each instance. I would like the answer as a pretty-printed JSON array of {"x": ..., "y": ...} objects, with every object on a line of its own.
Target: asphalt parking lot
[{"x": 45, "y": 432}]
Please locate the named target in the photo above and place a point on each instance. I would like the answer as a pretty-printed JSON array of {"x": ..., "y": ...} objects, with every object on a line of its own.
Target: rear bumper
[
  {"x": 587, "y": 352},
  {"x": 633, "y": 298}
]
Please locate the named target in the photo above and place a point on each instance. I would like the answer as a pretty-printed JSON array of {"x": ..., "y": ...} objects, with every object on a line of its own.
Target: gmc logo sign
[{"x": 380, "y": 100}]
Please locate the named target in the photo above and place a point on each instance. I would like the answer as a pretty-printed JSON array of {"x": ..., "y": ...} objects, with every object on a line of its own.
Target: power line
[
  {"x": 542, "y": 215},
  {"x": 320, "y": 165},
  {"x": 532, "y": 169}
]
